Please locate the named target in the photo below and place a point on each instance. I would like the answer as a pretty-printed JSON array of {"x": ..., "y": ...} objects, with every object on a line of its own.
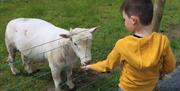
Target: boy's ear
[{"x": 134, "y": 19}]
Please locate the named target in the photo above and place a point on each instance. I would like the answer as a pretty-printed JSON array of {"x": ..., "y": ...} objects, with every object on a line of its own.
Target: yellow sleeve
[
  {"x": 169, "y": 62},
  {"x": 111, "y": 61}
]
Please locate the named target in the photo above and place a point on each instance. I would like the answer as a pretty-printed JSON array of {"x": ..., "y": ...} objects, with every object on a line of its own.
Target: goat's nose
[{"x": 88, "y": 62}]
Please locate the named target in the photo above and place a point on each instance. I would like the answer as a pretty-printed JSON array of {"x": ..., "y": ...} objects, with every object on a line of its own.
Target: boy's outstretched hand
[{"x": 85, "y": 67}]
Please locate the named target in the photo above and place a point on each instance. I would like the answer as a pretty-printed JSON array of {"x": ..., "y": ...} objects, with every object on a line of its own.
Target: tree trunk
[
  {"x": 158, "y": 13},
  {"x": 156, "y": 22}
]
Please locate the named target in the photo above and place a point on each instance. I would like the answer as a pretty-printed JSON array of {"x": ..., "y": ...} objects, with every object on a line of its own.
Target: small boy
[{"x": 144, "y": 55}]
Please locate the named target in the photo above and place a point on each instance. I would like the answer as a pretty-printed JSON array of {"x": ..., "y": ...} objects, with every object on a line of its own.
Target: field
[{"x": 71, "y": 14}]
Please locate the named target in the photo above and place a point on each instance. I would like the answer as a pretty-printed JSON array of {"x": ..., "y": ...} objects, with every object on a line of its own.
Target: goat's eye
[{"x": 75, "y": 44}]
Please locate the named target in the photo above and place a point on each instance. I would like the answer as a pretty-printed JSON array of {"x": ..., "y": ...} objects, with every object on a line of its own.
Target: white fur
[{"x": 38, "y": 40}]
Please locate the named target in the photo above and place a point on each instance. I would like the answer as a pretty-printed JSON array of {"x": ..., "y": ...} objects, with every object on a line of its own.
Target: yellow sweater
[{"x": 142, "y": 58}]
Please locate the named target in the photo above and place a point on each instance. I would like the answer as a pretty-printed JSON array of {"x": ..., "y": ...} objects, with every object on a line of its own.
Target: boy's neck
[{"x": 143, "y": 31}]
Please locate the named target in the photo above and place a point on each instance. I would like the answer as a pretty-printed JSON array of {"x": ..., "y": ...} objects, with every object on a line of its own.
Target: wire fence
[
  {"x": 15, "y": 87},
  {"x": 22, "y": 49}
]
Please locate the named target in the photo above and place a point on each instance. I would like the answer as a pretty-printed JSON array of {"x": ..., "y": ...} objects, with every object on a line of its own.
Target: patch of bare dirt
[{"x": 81, "y": 79}]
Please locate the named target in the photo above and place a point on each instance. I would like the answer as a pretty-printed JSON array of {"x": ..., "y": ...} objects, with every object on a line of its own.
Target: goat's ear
[
  {"x": 65, "y": 35},
  {"x": 92, "y": 30}
]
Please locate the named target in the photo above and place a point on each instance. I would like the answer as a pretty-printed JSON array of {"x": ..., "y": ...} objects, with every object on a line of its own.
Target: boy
[{"x": 144, "y": 55}]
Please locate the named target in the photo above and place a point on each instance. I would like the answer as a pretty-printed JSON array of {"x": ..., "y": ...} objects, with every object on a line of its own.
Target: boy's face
[{"x": 130, "y": 22}]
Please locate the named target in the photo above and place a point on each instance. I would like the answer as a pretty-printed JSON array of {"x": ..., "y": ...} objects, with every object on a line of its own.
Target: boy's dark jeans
[{"x": 119, "y": 89}]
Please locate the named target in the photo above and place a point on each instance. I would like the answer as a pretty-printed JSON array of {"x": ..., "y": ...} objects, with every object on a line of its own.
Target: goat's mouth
[
  {"x": 85, "y": 60},
  {"x": 85, "y": 63}
]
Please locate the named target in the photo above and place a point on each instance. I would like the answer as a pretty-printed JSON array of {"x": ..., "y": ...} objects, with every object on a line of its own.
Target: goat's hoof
[
  {"x": 73, "y": 89},
  {"x": 16, "y": 72},
  {"x": 33, "y": 72}
]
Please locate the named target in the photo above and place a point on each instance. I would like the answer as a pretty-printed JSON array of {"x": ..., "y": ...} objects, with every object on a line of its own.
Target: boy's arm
[
  {"x": 169, "y": 62},
  {"x": 111, "y": 61}
]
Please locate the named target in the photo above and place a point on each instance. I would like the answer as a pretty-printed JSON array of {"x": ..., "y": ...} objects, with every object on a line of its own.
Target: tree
[
  {"x": 156, "y": 22},
  {"x": 158, "y": 13}
]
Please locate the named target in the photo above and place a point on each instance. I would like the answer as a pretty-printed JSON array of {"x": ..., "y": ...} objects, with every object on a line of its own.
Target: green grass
[{"x": 67, "y": 14}]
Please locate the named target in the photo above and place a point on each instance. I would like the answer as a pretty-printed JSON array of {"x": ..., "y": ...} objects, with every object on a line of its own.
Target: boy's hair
[{"x": 141, "y": 8}]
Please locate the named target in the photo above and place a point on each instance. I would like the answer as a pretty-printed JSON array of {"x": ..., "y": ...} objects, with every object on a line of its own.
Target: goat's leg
[
  {"x": 27, "y": 64},
  {"x": 69, "y": 78},
  {"x": 55, "y": 71},
  {"x": 11, "y": 60}
]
